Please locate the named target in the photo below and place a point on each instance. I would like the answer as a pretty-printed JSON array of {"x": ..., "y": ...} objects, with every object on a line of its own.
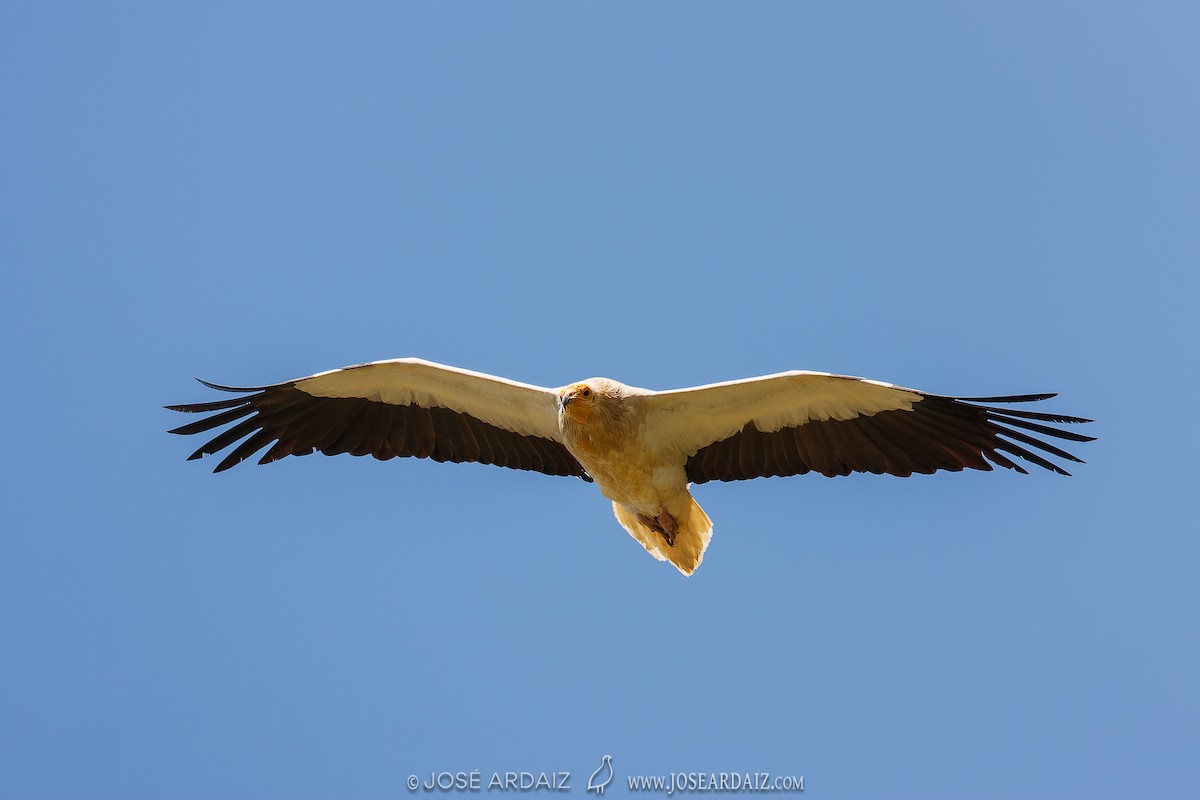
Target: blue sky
[{"x": 978, "y": 199}]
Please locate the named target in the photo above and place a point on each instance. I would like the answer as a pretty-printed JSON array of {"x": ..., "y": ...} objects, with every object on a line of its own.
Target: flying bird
[{"x": 642, "y": 448}]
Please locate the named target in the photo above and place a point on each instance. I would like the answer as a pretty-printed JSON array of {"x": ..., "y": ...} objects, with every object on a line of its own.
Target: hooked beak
[{"x": 564, "y": 401}]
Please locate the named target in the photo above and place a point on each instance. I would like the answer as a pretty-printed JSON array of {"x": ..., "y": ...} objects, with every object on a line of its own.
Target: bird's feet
[{"x": 664, "y": 525}]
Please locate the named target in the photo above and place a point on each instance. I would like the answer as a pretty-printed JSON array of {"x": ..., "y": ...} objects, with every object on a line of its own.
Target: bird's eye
[{"x": 587, "y": 392}]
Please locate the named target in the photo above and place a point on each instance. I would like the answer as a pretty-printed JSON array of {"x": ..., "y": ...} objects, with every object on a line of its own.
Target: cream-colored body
[{"x": 606, "y": 429}]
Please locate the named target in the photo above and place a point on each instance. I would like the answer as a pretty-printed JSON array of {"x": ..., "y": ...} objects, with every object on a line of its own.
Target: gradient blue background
[{"x": 986, "y": 199}]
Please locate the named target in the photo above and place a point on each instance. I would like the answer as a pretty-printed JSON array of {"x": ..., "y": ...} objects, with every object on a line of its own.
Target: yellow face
[{"x": 578, "y": 402}]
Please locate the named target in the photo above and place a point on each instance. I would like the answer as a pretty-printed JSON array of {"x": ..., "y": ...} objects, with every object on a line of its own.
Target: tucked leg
[
  {"x": 668, "y": 526},
  {"x": 664, "y": 525}
]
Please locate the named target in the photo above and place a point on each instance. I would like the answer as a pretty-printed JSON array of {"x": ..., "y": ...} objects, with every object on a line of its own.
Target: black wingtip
[
  {"x": 221, "y": 388},
  {"x": 1005, "y": 421},
  {"x": 1011, "y": 398}
]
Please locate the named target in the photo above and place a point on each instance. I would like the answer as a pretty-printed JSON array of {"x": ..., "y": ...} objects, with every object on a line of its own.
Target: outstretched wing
[
  {"x": 403, "y": 407},
  {"x": 797, "y": 422}
]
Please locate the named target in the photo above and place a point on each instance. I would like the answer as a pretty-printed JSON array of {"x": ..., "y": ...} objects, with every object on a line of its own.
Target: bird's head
[{"x": 578, "y": 401}]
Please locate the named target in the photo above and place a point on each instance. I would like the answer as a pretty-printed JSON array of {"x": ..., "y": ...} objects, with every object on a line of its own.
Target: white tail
[{"x": 691, "y": 538}]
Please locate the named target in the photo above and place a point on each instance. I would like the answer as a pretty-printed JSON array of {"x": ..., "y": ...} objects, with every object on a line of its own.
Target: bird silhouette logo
[{"x": 602, "y": 777}]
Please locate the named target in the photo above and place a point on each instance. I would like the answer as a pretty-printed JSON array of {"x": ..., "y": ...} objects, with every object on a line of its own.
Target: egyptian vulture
[{"x": 642, "y": 448}]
